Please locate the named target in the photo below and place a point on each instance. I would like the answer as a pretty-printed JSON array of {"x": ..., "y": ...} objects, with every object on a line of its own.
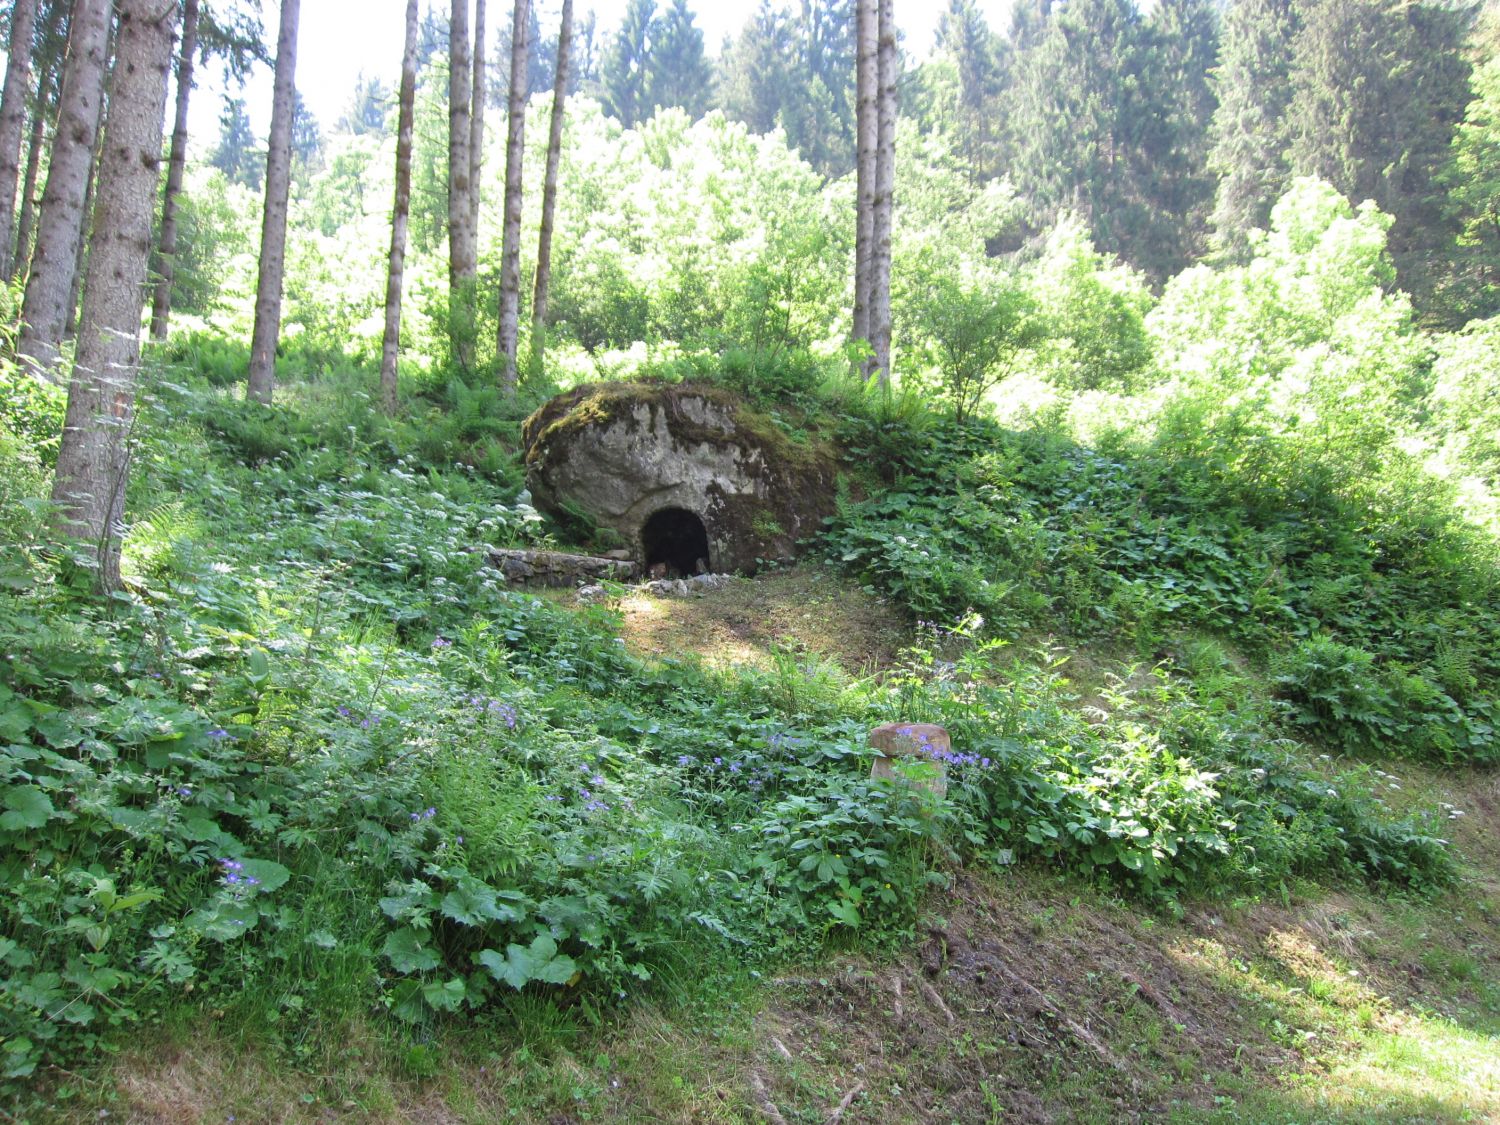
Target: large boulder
[{"x": 689, "y": 475}]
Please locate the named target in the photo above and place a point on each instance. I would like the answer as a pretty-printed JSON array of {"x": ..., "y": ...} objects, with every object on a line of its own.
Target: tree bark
[
  {"x": 400, "y": 214},
  {"x": 461, "y": 252},
  {"x": 166, "y": 250},
  {"x": 867, "y": 36},
  {"x": 539, "y": 295},
  {"x": 885, "y": 198},
  {"x": 13, "y": 125},
  {"x": 476, "y": 122},
  {"x": 49, "y": 286},
  {"x": 26, "y": 223},
  {"x": 515, "y": 146},
  {"x": 80, "y": 262},
  {"x": 92, "y": 464},
  {"x": 273, "y": 228}
]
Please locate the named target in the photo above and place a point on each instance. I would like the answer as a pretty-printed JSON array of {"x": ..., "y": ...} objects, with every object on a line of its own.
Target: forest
[{"x": 1145, "y": 365}]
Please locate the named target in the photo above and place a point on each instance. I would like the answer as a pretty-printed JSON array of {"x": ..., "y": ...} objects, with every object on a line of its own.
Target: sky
[{"x": 340, "y": 39}]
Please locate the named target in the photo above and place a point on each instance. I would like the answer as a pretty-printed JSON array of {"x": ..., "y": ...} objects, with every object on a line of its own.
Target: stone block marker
[{"x": 925, "y": 742}]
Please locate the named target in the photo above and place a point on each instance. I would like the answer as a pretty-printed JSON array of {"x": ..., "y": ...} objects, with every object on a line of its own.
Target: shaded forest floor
[{"x": 1024, "y": 995}]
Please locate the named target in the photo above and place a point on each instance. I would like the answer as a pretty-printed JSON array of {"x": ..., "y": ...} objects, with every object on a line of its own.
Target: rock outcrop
[{"x": 689, "y": 475}]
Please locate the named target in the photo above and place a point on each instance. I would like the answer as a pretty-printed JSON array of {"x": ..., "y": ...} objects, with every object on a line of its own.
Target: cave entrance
[{"x": 676, "y": 539}]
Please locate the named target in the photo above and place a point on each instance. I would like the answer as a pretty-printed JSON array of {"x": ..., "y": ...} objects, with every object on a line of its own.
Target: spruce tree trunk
[
  {"x": 49, "y": 286},
  {"x": 26, "y": 222},
  {"x": 273, "y": 228},
  {"x": 510, "y": 249},
  {"x": 867, "y": 38},
  {"x": 400, "y": 214},
  {"x": 13, "y": 125},
  {"x": 80, "y": 263},
  {"x": 461, "y": 254},
  {"x": 476, "y": 123},
  {"x": 166, "y": 249},
  {"x": 885, "y": 197},
  {"x": 539, "y": 295},
  {"x": 92, "y": 464}
]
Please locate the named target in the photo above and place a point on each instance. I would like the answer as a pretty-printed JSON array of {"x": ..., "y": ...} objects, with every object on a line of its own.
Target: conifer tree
[
  {"x": 980, "y": 59},
  {"x": 624, "y": 75},
  {"x": 1473, "y": 180},
  {"x": 677, "y": 70},
  {"x": 510, "y": 250},
  {"x": 462, "y": 246},
  {"x": 94, "y": 458},
  {"x": 541, "y": 292},
  {"x": 1378, "y": 87},
  {"x": 754, "y": 73},
  {"x": 13, "y": 122},
  {"x": 235, "y": 155},
  {"x": 49, "y": 286},
  {"x": 1079, "y": 108},
  {"x": 1247, "y": 136},
  {"x": 267, "y": 331},
  {"x": 1183, "y": 47},
  {"x": 166, "y": 244},
  {"x": 400, "y": 213}
]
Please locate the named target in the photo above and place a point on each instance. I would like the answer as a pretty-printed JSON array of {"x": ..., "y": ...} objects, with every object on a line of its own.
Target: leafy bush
[{"x": 31, "y": 412}]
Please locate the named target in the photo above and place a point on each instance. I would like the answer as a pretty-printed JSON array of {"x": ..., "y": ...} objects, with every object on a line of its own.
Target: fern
[{"x": 159, "y": 544}]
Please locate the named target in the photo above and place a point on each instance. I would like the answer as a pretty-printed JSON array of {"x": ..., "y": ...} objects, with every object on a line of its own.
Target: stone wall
[{"x": 554, "y": 568}]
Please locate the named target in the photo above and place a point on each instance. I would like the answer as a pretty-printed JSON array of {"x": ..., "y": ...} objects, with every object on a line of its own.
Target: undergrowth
[
  {"x": 1375, "y": 618},
  {"x": 317, "y": 759}
]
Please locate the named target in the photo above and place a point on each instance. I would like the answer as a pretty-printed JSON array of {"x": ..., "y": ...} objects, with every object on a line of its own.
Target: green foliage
[
  {"x": 1035, "y": 532},
  {"x": 976, "y": 328},
  {"x": 31, "y": 412},
  {"x": 1463, "y": 414},
  {"x": 215, "y": 261},
  {"x": 1472, "y": 178},
  {"x": 1096, "y": 314}
]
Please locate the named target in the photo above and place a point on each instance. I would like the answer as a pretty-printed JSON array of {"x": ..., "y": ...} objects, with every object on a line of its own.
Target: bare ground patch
[{"x": 806, "y": 609}]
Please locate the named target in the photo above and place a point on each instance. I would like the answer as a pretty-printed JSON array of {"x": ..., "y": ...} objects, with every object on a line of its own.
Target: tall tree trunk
[
  {"x": 80, "y": 262},
  {"x": 461, "y": 252},
  {"x": 49, "y": 286},
  {"x": 273, "y": 228},
  {"x": 166, "y": 249},
  {"x": 510, "y": 248},
  {"x": 400, "y": 214},
  {"x": 867, "y": 81},
  {"x": 476, "y": 121},
  {"x": 26, "y": 223},
  {"x": 885, "y": 197},
  {"x": 539, "y": 295},
  {"x": 92, "y": 464},
  {"x": 13, "y": 125}
]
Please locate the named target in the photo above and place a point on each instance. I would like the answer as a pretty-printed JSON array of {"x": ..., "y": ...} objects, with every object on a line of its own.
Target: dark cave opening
[{"x": 676, "y": 539}]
